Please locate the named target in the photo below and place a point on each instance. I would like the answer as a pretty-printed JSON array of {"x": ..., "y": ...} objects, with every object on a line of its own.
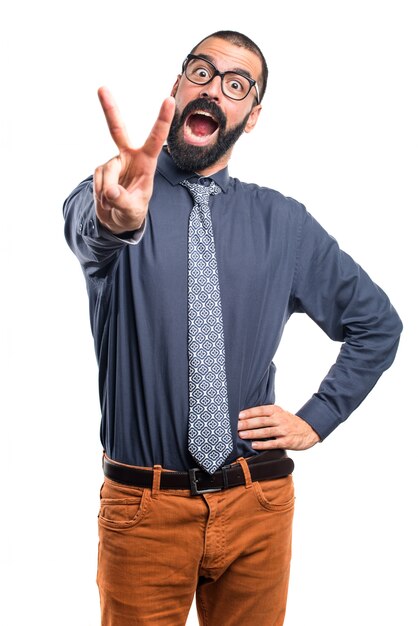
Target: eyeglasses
[{"x": 234, "y": 85}]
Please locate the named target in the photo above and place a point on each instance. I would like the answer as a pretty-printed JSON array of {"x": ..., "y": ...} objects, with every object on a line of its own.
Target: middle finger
[{"x": 260, "y": 433}]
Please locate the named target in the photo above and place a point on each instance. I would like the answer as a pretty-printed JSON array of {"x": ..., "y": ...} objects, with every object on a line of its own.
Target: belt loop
[
  {"x": 246, "y": 472},
  {"x": 156, "y": 480}
]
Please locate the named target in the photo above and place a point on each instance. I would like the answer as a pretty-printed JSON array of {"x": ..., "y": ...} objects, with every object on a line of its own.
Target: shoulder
[{"x": 266, "y": 198}]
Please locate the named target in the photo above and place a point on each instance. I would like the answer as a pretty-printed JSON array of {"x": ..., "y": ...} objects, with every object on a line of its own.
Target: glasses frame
[{"x": 216, "y": 72}]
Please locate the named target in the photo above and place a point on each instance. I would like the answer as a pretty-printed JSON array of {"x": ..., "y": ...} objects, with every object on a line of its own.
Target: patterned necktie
[{"x": 210, "y": 439}]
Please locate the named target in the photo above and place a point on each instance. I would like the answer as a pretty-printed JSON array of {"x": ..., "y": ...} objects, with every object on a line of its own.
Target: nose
[{"x": 212, "y": 90}]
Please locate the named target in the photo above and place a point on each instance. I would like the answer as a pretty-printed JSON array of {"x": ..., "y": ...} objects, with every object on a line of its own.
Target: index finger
[
  {"x": 257, "y": 411},
  {"x": 113, "y": 118}
]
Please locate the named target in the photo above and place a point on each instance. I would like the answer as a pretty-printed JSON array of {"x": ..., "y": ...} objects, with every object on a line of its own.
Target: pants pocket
[
  {"x": 275, "y": 495},
  {"x": 122, "y": 506}
]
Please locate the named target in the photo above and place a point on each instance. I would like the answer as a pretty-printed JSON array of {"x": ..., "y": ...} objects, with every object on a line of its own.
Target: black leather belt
[{"x": 265, "y": 466}]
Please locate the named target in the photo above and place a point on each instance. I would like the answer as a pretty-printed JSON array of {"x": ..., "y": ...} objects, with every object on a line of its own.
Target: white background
[{"x": 339, "y": 133}]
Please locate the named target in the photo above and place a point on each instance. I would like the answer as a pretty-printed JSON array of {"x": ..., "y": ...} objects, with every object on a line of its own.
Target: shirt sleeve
[
  {"x": 343, "y": 300},
  {"x": 96, "y": 247}
]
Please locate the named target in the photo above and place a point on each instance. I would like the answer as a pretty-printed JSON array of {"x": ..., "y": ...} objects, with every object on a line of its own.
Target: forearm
[
  {"x": 343, "y": 300},
  {"x": 345, "y": 387}
]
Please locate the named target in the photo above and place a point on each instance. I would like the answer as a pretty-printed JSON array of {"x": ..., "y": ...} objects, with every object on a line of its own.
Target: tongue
[{"x": 202, "y": 125}]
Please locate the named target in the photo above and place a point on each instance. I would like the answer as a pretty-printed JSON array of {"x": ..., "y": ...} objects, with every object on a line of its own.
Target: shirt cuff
[
  {"x": 132, "y": 237},
  {"x": 319, "y": 416}
]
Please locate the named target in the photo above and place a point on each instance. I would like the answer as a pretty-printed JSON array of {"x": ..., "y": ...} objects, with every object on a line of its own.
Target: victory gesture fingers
[{"x": 123, "y": 186}]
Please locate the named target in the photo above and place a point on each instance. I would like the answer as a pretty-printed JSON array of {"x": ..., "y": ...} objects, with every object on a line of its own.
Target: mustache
[{"x": 202, "y": 104}]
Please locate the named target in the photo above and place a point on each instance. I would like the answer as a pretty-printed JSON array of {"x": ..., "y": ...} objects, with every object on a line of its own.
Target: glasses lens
[
  {"x": 199, "y": 71},
  {"x": 235, "y": 86}
]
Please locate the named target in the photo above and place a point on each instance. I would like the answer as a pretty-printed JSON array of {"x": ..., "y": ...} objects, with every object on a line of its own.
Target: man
[{"x": 191, "y": 277}]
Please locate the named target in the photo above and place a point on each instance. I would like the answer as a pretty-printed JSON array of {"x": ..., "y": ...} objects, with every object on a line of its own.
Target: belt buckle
[{"x": 195, "y": 491}]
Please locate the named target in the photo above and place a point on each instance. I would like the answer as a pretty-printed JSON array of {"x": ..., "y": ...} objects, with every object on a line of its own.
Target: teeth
[{"x": 203, "y": 113}]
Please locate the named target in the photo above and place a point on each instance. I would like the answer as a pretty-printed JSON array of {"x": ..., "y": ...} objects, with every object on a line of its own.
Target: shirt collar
[{"x": 175, "y": 175}]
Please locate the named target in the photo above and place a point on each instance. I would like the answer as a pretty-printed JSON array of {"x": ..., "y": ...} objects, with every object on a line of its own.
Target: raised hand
[{"x": 123, "y": 186}]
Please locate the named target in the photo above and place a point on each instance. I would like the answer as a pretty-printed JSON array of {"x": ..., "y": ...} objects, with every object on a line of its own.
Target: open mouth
[{"x": 200, "y": 127}]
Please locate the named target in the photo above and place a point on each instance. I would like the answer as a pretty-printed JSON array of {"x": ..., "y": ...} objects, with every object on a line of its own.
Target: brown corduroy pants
[{"x": 158, "y": 548}]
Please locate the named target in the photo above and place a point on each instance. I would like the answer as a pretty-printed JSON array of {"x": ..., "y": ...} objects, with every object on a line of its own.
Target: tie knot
[{"x": 199, "y": 192}]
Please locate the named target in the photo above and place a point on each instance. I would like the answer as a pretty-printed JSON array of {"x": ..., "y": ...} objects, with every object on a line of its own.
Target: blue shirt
[{"x": 273, "y": 258}]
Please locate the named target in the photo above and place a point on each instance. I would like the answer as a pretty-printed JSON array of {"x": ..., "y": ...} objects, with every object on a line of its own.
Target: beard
[{"x": 196, "y": 158}]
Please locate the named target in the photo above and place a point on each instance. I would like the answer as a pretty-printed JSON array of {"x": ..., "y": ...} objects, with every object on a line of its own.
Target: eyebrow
[{"x": 238, "y": 70}]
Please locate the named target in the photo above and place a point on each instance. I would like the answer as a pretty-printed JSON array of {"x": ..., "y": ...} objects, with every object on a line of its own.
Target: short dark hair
[{"x": 242, "y": 41}]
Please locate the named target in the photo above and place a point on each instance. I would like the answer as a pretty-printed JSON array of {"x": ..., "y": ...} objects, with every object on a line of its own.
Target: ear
[
  {"x": 252, "y": 120},
  {"x": 175, "y": 86}
]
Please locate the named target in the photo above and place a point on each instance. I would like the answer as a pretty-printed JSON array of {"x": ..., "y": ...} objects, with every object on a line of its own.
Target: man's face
[{"x": 207, "y": 123}]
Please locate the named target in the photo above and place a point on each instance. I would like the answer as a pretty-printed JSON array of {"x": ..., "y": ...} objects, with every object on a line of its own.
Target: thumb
[{"x": 118, "y": 197}]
